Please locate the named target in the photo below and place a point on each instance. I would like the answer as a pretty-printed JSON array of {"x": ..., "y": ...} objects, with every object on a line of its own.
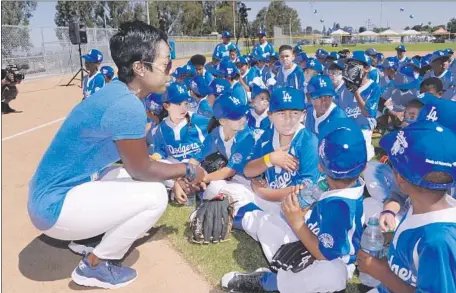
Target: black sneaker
[
  {"x": 85, "y": 246},
  {"x": 243, "y": 282}
]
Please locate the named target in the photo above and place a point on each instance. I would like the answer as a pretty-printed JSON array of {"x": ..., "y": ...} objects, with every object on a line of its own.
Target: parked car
[{"x": 326, "y": 41}]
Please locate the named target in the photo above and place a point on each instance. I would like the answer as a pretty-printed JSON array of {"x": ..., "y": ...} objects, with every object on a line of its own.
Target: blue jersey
[
  {"x": 263, "y": 50},
  {"x": 236, "y": 149},
  {"x": 401, "y": 98},
  {"x": 339, "y": 91},
  {"x": 92, "y": 84},
  {"x": 249, "y": 76},
  {"x": 303, "y": 147},
  {"x": 314, "y": 123},
  {"x": 452, "y": 67},
  {"x": 293, "y": 78},
  {"x": 224, "y": 50},
  {"x": 238, "y": 91},
  {"x": 258, "y": 123},
  {"x": 370, "y": 92},
  {"x": 446, "y": 77},
  {"x": 402, "y": 62},
  {"x": 84, "y": 145},
  {"x": 210, "y": 67},
  {"x": 183, "y": 141},
  {"x": 336, "y": 220},
  {"x": 423, "y": 251},
  {"x": 204, "y": 109},
  {"x": 374, "y": 74},
  {"x": 385, "y": 84}
]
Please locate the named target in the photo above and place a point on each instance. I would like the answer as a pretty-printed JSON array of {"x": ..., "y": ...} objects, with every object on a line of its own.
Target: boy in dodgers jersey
[
  {"x": 329, "y": 230},
  {"x": 223, "y": 49},
  {"x": 199, "y": 90},
  {"x": 361, "y": 105},
  {"x": 439, "y": 64},
  {"x": 422, "y": 254},
  {"x": 322, "y": 110},
  {"x": 400, "y": 56},
  {"x": 289, "y": 74},
  {"x": 263, "y": 48},
  {"x": 228, "y": 71},
  {"x": 95, "y": 80},
  {"x": 285, "y": 154},
  {"x": 257, "y": 117},
  {"x": 374, "y": 73},
  {"x": 335, "y": 73}
]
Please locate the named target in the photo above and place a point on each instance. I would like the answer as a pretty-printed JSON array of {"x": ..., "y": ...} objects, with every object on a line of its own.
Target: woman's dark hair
[
  {"x": 213, "y": 124},
  {"x": 134, "y": 41}
]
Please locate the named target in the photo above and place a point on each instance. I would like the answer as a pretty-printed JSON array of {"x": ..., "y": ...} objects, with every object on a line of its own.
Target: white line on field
[{"x": 32, "y": 129}]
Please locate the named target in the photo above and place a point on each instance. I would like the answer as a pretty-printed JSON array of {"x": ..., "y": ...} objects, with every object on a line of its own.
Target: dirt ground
[{"x": 35, "y": 263}]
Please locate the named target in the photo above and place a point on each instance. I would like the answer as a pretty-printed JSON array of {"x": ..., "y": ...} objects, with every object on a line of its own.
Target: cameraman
[{"x": 9, "y": 90}]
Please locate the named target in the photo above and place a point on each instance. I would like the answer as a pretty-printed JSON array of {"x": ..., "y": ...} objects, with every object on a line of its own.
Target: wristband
[
  {"x": 388, "y": 212},
  {"x": 190, "y": 172},
  {"x": 267, "y": 160},
  {"x": 385, "y": 110}
]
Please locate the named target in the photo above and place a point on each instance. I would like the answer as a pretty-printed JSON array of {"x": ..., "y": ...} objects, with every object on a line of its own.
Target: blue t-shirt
[
  {"x": 423, "y": 251},
  {"x": 303, "y": 147},
  {"x": 314, "y": 123},
  {"x": 236, "y": 150},
  {"x": 336, "y": 220},
  {"x": 182, "y": 141},
  {"x": 294, "y": 79},
  {"x": 84, "y": 145},
  {"x": 92, "y": 84},
  {"x": 370, "y": 92}
]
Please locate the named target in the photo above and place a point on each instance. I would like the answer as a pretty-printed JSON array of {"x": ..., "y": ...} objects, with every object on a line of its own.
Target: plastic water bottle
[
  {"x": 191, "y": 199},
  {"x": 312, "y": 192},
  {"x": 372, "y": 243}
]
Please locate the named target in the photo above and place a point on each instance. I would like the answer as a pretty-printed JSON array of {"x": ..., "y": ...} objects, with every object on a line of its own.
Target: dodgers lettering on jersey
[
  {"x": 258, "y": 123},
  {"x": 423, "y": 250},
  {"x": 263, "y": 50},
  {"x": 314, "y": 123},
  {"x": 370, "y": 92},
  {"x": 224, "y": 50},
  {"x": 183, "y": 141},
  {"x": 303, "y": 147},
  {"x": 336, "y": 221},
  {"x": 236, "y": 149},
  {"x": 446, "y": 77},
  {"x": 92, "y": 84},
  {"x": 294, "y": 79},
  {"x": 204, "y": 109}
]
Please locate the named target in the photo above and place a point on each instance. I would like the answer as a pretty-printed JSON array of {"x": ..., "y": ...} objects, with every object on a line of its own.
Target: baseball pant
[
  {"x": 367, "y": 133},
  {"x": 272, "y": 231},
  {"x": 116, "y": 205}
]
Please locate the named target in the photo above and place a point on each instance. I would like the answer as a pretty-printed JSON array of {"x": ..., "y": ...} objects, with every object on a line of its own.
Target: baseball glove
[
  {"x": 353, "y": 74},
  {"x": 214, "y": 162},
  {"x": 212, "y": 221},
  {"x": 292, "y": 257}
]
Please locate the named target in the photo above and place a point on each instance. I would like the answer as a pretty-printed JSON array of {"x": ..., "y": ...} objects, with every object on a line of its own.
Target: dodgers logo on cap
[{"x": 287, "y": 98}]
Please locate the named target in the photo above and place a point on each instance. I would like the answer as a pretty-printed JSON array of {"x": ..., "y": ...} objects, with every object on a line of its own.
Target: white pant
[
  {"x": 272, "y": 231},
  {"x": 368, "y": 138},
  {"x": 116, "y": 205}
]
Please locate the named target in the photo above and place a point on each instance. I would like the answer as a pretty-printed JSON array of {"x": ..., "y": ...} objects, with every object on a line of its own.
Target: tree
[
  {"x": 308, "y": 30},
  {"x": 16, "y": 38},
  {"x": 417, "y": 28},
  {"x": 407, "y": 28},
  {"x": 451, "y": 25},
  {"x": 380, "y": 29},
  {"x": 362, "y": 29},
  {"x": 324, "y": 31},
  {"x": 277, "y": 14}
]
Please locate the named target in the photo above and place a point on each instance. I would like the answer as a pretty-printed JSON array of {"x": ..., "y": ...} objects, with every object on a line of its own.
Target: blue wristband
[
  {"x": 388, "y": 212},
  {"x": 190, "y": 172}
]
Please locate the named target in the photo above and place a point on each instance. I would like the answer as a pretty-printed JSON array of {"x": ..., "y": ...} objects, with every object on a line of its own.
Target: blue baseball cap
[
  {"x": 185, "y": 70},
  {"x": 342, "y": 149},
  {"x": 361, "y": 57},
  {"x": 297, "y": 49},
  {"x": 321, "y": 54},
  {"x": 414, "y": 153},
  {"x": 440, "y": 111},
  {"x": 227, "y": 34},
  {"x": 439, "y": 55},
  {"x": 200, "y": 86},
  {"x": 229, "y": 107},
  {"x": 257, "y": 89},
  {"x": 314, "y": 64},
  {"x": 371, "y": 52},
  {"x": 94, "y": 56},
  {"x": 415, "y": 63},
  {"x": 390, "y": 62},
  {"x": 449, "y": 51},
  {"x": 260, "y": 58},
  {"x": 333, "y": 56},
  {"x": 287, "y": 98},
  {"x": 320, "y": 85},
  {"x": 380, "y": 57},
  {"x": 426, "y": 60},
  {"x": 107, "y": 71},
  {"x": 404, "y": 79},
  {"x": 243, "y": 60},
  {"x": 217, "y": 55},
  {"x": 225, "y": 69},
  {"x": 401, "y": 48},
  {"x": 220, "y": 86},
  {"x": 175, "y": 94},
  {"x": 261, "y": 32},
  {"x": 338, "y": 64}
]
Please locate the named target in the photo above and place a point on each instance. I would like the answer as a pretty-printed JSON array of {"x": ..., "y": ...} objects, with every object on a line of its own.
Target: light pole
[
  {"x": 147, "y": 11},
  {"x": 234, "y": 18}
]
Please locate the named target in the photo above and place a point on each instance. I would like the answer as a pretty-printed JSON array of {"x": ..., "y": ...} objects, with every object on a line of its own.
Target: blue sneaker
[{"x": 105, "y": 275}]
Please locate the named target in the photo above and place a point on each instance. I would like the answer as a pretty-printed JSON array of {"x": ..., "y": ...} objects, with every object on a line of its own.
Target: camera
[{"x": 13, "y": 74}]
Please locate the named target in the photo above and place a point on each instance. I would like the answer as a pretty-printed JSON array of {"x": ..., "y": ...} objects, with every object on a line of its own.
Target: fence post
[{"x": 43, "y": 48}]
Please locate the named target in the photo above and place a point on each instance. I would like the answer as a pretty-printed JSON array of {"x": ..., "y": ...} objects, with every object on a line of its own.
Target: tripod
[{"x": 81, "y": 69}]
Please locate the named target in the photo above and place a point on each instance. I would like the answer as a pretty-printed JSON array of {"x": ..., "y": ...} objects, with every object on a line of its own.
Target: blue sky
[{"x": 354, "y": 14}]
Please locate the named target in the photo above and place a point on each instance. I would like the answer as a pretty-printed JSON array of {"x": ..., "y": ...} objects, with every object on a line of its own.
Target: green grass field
[{"x": 421, "y": 47}]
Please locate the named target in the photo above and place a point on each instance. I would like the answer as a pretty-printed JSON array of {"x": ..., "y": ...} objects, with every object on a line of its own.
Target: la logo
[
  {"x": 432, "y": 115},
  {"x": 322, "y": 83},
  {"x": 180, "y": 89},
  {"x": 235, "y": 100},
  {"x": 286, "y": 97}
]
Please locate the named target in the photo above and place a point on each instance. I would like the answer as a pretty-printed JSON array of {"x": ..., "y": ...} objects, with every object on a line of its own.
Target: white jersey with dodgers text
[{"x": 423, "y": 251}]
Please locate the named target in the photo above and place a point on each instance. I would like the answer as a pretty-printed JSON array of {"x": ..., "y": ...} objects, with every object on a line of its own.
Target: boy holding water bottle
[
  {"x": 311, "y": 247},
  {"x": 422, "y": 254}
]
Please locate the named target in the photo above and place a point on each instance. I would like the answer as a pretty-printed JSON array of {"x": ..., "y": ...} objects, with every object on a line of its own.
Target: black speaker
[{"x": 78, "y": 33}]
